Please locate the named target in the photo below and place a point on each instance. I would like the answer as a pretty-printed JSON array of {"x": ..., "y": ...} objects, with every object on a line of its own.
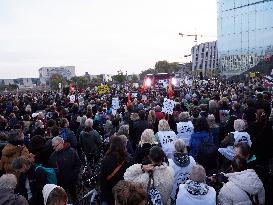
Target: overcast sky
[{"x": 99, "y": 36}]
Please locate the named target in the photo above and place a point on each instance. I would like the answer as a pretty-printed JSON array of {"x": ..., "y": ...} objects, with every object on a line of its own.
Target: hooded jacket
[
  {"x": 163, "y": 179},
  {"x": 182, "y": 165},
  {"x": 7, "y": 197},
  {"x": 234, "y": 191},
  {"x": 194, "y": 193}
]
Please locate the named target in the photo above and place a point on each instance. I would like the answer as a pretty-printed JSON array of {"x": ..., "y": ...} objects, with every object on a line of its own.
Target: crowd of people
[{"x": 215, "y": 148}]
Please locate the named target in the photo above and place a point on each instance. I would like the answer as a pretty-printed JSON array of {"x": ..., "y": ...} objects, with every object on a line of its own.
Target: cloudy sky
[{"x": 99, "y": 36}]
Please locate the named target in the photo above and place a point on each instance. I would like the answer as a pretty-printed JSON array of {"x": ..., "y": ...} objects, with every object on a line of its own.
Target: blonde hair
[
  {"x": 180, "y": 146},
  {"x": 163, "y": 125},
  {"x": 239, "y": 125},
  {"x": 147, "y": 136},
  {"x": 198, "y": 174}
]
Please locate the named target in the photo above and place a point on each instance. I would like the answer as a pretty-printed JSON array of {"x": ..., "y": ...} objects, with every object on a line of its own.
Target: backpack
[
  {"x": 50, "y": 172},
  {"x": 154, "y": 197}
]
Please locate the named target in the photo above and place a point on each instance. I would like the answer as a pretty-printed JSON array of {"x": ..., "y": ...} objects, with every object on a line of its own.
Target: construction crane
[{"x": 191, "y": 35}]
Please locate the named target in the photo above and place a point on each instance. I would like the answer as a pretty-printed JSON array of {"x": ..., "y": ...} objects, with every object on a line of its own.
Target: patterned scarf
[{"x": 196, "y": 188}]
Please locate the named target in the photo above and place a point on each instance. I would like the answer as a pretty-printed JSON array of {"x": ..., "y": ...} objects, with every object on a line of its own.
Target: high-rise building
[
  {"x": 66, "y": 71},
  {"x": 245, "y": 34},
  {"x": 204, "y": 57}
]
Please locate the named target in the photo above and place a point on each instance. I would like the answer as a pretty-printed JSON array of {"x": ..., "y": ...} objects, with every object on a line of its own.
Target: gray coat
[{"x": 7, "y": 197}]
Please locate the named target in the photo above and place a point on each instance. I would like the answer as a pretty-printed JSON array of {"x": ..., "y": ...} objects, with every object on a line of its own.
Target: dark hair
[
  {"x": 245, "y": 149},
  {"x": 141, "y": 114},
  {"x": 239, "y": 164},
  {"x": 36, "y": 143},
  {"x": 63, "y": 122},
  {"x": 13, "y": 135},
  {"x": 117, "y": 148},
  {"x": 129, "y": 193},
  {"x": 51, "y": 123},
  {"x": 56, "y": 196},
  {"x": 201, "y": 125},
  {"x": 157, "y": 155},
  {"x": 55, "y": 131},
  {"x": 261, "y": 116}
]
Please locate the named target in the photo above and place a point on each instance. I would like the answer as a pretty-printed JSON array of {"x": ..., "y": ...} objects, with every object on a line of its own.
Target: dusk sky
[{"x": 99, "y": 36}]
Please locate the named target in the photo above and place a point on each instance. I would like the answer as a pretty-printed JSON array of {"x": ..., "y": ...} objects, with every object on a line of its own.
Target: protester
[
  {"x": 166, "y": 137},
  {"x": 54, "y": 195},
  {"x": 66, "y": 160},
  {"x": 195, "y": 191},
  {"x": 162, "y": 173},
  {"x": 184, "y": 127},
  {"x": 113, "y": 166},
  {"x": 129, "y": 193},
  {"x": 243, "y": 186},
  {"x": 32, "y": 180},
  {"x": 7, "y": 196}
]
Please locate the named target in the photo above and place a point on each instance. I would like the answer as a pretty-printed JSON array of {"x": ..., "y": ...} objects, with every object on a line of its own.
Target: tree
[
  {"x": 166, "y": 67},
  {"x": 134, "y": 78},
  {"x": 120, "y": 77},
  {"x": 145, "y": 72},
  {"x": 80, "y": 81},
  {"x": 54, "y": 81}
]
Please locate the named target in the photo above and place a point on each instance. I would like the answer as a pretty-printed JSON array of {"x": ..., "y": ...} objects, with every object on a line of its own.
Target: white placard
[
  {"x": 168, "y": 106},
  {"x": 72, "y": 98},
  {"x": 115, "y": 103},
  {"x": 134, "y": 95}
]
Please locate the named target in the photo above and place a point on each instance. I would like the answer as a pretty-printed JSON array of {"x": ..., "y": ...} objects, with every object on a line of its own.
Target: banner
[{"x": 115, "y": 103}]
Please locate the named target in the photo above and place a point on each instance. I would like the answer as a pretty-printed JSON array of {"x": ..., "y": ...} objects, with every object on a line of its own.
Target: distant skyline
[{"x": 99, "y": 36}]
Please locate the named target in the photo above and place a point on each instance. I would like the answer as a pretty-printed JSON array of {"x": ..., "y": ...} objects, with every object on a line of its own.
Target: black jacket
[
  {"x": 142, "y": 154},
  {"x": 109, "y": 164},
  {"x": 138, "y": 127},
  {"x": 68, "y": 165},
  {"x": 37, "y": 179},
  {"x": 90, "y": 142}
]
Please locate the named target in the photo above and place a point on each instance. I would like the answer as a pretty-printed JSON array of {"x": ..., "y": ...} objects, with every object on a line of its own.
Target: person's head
[
  {"x": 51, "y": 123},
  {"x": 261, "y": 116},
  {"x": 156, "y": 155},
  {"x": 54, "y": 195},
  {"x": 163, "y": 125},
  {"x": 180, "y": 146},
  {"x": 55, "y": 131},
  {"x": 88, "y": 123},
  {"x": 147, "y": 136},
  {"x": 211, "y": 121},
  {"x": 64, "y": 123},
  {"x": 21, "y": 164},
  {"x": 184, "y": 117},
  {"x": 36, "y": 144},
  {"x": 201, "y": 125},
  {"x": 57, "y": 143},
  {"x": 239, "y": 125},
  {"x": 117, "y": 148},
  {"x": 8, "y": 181},
  {"x": 82, "y": 121},
  {"x": 123, "y": 130},
  {"x": 134, "y": 117},
  {"x": 15, "y": 136},
  {"x": 239, "y": 164},
  {"x": 198, "y": 174},
  {"x": 242, "y": 150},
  {"x": 141, "y": 114},
  {"x": 129, "y": 193}
]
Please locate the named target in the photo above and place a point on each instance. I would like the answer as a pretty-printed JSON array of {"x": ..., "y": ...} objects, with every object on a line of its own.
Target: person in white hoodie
[
  {"x": 162, "y": 173},
  {"x": 54, "y": 195},
  {"x": 243, "y": 187},
  {"x": 195, "y": 191},
  {"x": 182, "y": 165}
]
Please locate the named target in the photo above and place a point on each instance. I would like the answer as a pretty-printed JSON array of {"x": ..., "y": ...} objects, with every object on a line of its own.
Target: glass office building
[{"x": 245, "y": 34}]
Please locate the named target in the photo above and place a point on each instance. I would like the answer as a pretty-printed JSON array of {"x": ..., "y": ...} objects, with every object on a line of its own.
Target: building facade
[
  {"x": 244, "y": 35},
  {"x": 204, "y": 57},
  {"x": 66, "y": 71}
]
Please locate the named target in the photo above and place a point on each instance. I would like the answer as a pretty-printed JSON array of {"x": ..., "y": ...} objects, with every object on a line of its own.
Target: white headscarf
[{"x": 47, "y": 190}]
